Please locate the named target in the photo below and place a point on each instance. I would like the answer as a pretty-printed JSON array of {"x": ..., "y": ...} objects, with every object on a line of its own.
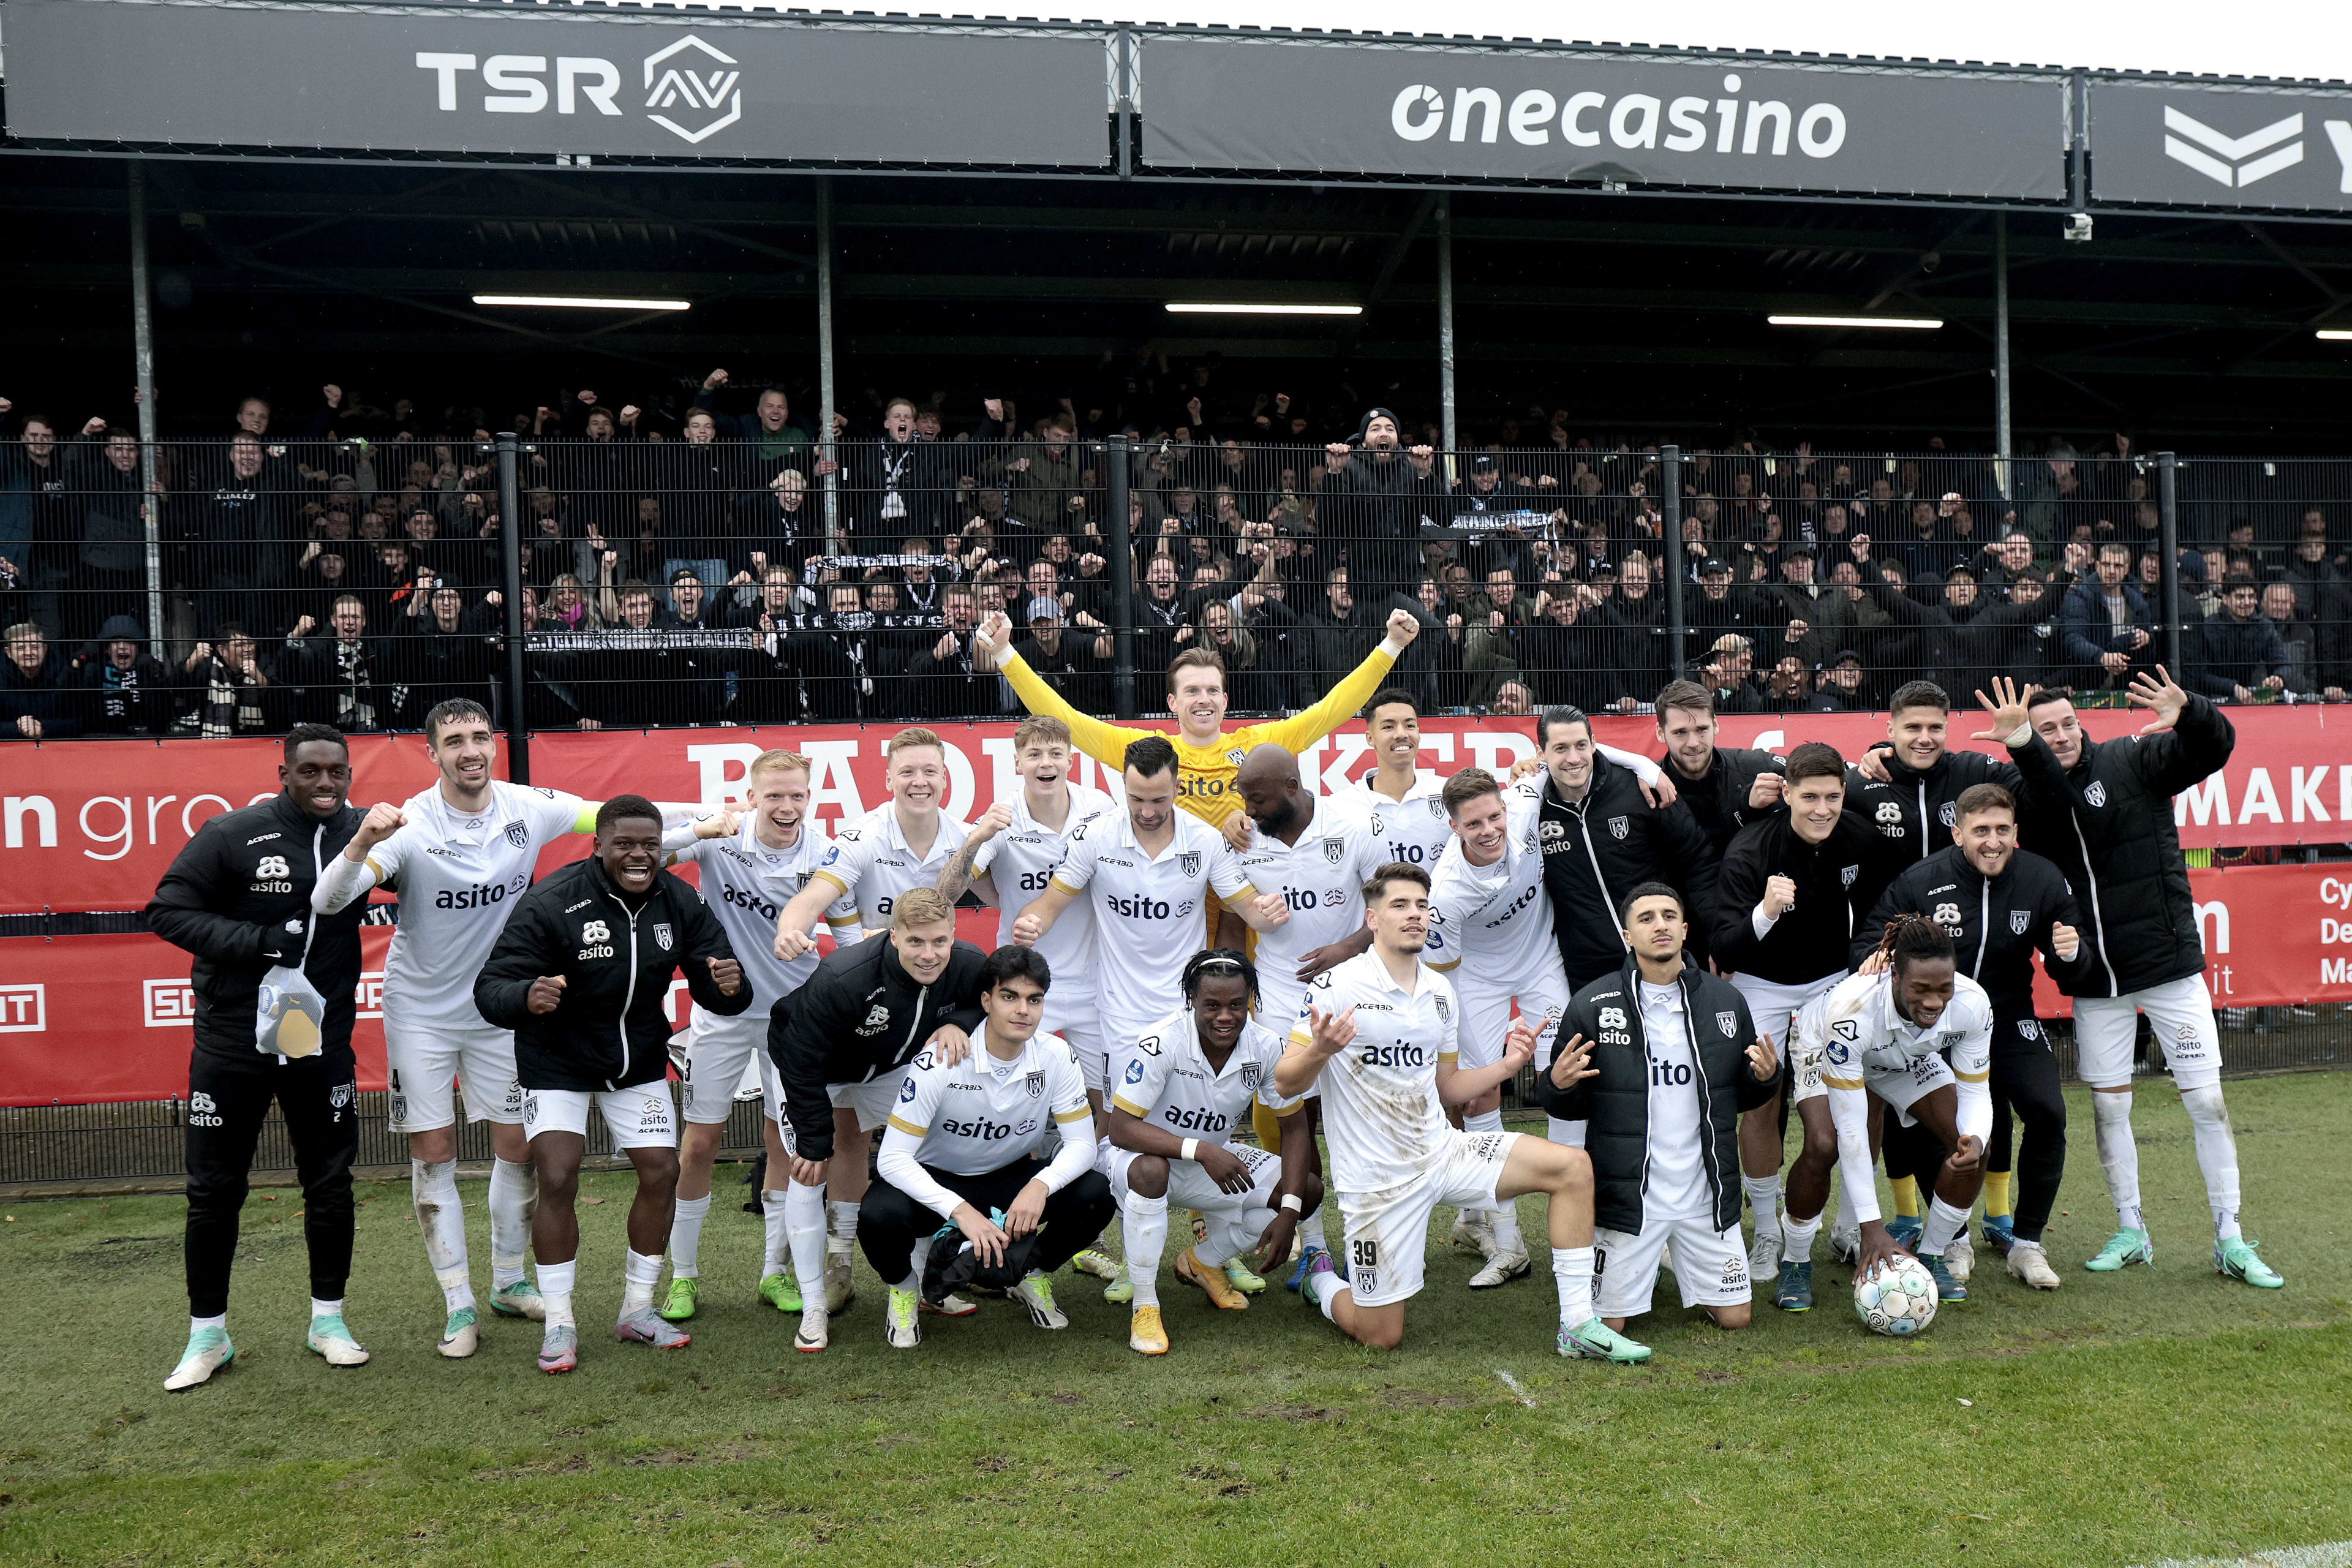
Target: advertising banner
[
  {"x": 1369, "y": 107},
  {"x": 92, "y": 825},
  {"x": 511, "y": 81},
  {"x": 2222, "y": 145},
  {"x": 92, "y": 1019}
]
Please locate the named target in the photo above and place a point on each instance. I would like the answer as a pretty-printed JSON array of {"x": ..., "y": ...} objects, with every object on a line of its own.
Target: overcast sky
[{"x": 2306, "y": 38}]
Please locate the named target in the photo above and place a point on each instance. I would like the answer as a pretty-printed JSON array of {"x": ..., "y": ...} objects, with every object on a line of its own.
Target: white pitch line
[
  {"x": 2327, "y": 1554},
  {"x": 1521, "y": 1395}
]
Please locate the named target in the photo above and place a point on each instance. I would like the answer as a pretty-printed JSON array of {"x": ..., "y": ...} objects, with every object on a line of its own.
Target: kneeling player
[
  {"x": 1676, "y": 1062},
  {"x": 1916, "y": 1034},
  {"x": 1379, "y": 1041},
  {"x": 961, "y": 1143},
  {"x": 1192, "y": 1080}
]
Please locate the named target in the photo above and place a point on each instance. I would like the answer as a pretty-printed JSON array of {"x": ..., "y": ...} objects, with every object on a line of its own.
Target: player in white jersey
[
  {"x": 1007, "y": 860},
  {"x": 751, "y": 866},
  {"x": 1148, "y": 872},
  {"x": 1379, "y": 1038},
  {"x": 901, "y": 845},
  {"x": 961, "y": 1143},
  {"x": 1912, "y": 1031},
  {"x": 1401, "y": 804},
  {"x": 460, "y": 854},
  {"x": 1194, "y": 1078},
  {"x": 1490, "y": 934}
]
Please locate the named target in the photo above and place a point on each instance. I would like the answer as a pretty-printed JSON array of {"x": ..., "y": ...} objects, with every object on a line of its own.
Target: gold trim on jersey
[
  {"x": 909, "y": 1128},
  {"x": 1974, "y": 1077},
  {"x": 1080, "y": 1114},
  {"x": 1123, "y": 1104},
  {"x": 829, "y": 876},
  {"x": 1841, "y": 1082}
]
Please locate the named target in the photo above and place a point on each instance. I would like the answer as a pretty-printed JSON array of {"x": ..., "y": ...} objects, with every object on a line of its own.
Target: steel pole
[
  {"x": 824, "y": 362},
  {"x": 2167, "y": 541},
  {"x": 2001, "y": 356},
  {"x": 1670, "y": 561},
  {"x": 511, "y": 574},
  {"x": 1122, "y": 579},
  {"x": 1445, "y": 327},
  {"x": 142, "y": 338}
]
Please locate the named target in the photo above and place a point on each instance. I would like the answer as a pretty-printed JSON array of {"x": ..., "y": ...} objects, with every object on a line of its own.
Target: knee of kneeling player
[
  {"x": 1381, "y": 1336},
  {"x": 1147, "y": 1176},
  {"x": 1733, "y": 1317}
]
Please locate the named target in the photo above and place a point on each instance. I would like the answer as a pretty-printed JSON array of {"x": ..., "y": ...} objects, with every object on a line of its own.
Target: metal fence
[{"x": 237, "y": 586}]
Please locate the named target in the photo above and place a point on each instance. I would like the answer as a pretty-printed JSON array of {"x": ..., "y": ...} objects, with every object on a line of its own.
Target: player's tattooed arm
[{"x": 957, "y": 878}]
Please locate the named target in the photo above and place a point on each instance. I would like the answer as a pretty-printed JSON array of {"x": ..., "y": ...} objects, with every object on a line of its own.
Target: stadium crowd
[{"x": 704, "y": 556}]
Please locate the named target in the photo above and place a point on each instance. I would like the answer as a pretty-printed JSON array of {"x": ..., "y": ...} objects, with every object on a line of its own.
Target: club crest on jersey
[
  {"x": 662, "y": 936},
  {"x": 1188, "y": 862},
  {"x": 1334, "y": 850},
  {"x": 1436, "y": 806},
  {"x": 1235, "y": 756},
  {"x": 2019, "y": 920},
  {"x": 1249, "y": 1074},
  {"x": 1618, "y": 827},
  {"x": 2096, "y": 796},
  {"x": 1728, "y": 1023},
  {"x": 1948, "y": 815},
  {"x": 1034, "y": 1083},
  {"x": 518, "y": 835},
  {"x": 1445, "y": 1013},
  {"x": 2028, "y": 1028},
  {"x": 339, "y": 1096}
]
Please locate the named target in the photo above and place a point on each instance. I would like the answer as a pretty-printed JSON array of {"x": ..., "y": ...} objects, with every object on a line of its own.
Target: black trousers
[
  {"x": 2024, "y": 1085},
  {"x": 228, "y": 1098},
  {"x": 889, "y": 1222}
]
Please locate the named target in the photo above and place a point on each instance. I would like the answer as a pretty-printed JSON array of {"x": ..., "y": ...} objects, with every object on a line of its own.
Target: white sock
[
  {"x": 638, "y": 1276},
  {"x": 1763, "y": 1197},
  {"x": 775, "y": 1224},
  {"x": 1571, "y": 1270},
  {"x": 1797, "y": 1237},
  {"x": 804, "y": 1220},
  {"x": 1327, "y": 1287},
  {"x": 1943, "y": 1223},
  {"x": 442, "y": 1217},
  {"x": 2217, "y": 1155},
  {"x": 1310, "y": 1231},
  {"x": 919, "y": 1257},
  {"x": 841, "y": 1228},
  {"x": 1229, "y": 1234},
  {"x": 555, "y": 1290},
  {"x": 1507, "y": 1239},
  {"x": 1146, "y": 1239},
  {"x": 333, "y": 1309},
  {"x": 196, "y": 1325},
  {"x": 685, "y": 1236},
  {"x": 514, "y": 1199},
  {"x": 2119, "y": 1157}
]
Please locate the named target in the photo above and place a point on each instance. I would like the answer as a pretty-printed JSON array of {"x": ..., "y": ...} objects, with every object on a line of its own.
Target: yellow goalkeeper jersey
[{"x": 1204, "y": 774}]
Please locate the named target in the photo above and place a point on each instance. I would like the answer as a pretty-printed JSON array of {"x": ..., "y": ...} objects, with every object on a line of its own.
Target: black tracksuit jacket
[
  {"x": 1596, "y": 850},
  {"x": 1838, "y": 881},
  {"x": 1996, "y": 922},
  {"x": 1718, "y": 802},
  {"x": 861, "y": 1015},
  {"x": 1914, "y": 810},
  {"x": 616, "y": 957}
]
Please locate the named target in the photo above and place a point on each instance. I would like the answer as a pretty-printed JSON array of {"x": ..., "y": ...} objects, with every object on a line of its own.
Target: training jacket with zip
[
  {"x": 1914, "y": 810},
  {"x": 616, "y": 957},
  {"x": 1718, "y": 802},
  {"x": 1996, "y": 922},
  {"x": 239, "y": 897},
  {"x": 1615, "y": 1102},
  {"x": 1599, "y": 848},
  {"x": 2107, "y": 823},
  {"x": 858, "y": 1017},
  {"x": 1837, "y": 880}
]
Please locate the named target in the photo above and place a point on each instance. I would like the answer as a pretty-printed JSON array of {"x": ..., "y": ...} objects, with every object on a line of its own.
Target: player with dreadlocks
[
  {"x": 1912, "y": 1030},
  {"x": 1191, "y": 1080}
]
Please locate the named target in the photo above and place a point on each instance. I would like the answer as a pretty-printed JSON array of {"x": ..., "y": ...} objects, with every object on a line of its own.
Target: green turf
[{"x": 2164, "y": 1414}]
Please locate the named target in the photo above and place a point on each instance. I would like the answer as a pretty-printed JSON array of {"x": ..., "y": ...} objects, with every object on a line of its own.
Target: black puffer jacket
[
  {"x": 1914, "y": 811},
  {"x": 1996, "y": 922},
  {"x": 2107, "y": 823},
  {"x": 1615, "y": 1102},
  {"x": 1596, "y": 850},
  {"x": 617, "y": 958},
  {"x": 859, "y": 1016},
  {"x": 238, "y": 897}
]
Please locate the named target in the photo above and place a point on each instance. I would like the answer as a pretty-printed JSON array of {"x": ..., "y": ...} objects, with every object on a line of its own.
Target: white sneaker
[
  {"x": 331, "y": 1339},
  {"x": 1845, "y": 1246},
  {"x": 948, "y": 1306},
  {"x": 208, "y": 1350},
  {"x": 1472, "y": 1233},
  {"x": 902, "y": 1326},
  {"x": 2028, "y": 1262},
  {"x": 815, "y": 1332},
  {"x": 1961, "y": 1257},
  {"x": 462, "y": 1335},
  {"x": 840, "y": 1284},
  {"x": 1501, "y": 1269},
  {"x": 1037, "y": 1293},
  {"x": 1764, "y": 1252}
]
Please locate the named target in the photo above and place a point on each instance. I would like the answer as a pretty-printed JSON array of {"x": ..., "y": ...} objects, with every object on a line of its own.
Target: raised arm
[
  {"x": 1106, "y": 744},
  {"x": 1347, "y": 699}
]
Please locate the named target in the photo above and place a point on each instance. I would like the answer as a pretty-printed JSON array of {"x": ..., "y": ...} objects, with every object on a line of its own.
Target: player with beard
[
  {"x": 2001, "y": 904},
  {"x": 1725, "y": 788},
  {"x": 1379, "y": 1038}
]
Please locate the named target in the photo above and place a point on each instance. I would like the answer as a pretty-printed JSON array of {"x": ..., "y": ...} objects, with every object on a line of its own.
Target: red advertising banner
[
  {"x": 92, "y": 825},
  {"x": 97, "y": 1018}
]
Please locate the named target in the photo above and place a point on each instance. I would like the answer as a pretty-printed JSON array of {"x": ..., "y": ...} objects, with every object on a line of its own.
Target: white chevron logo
[{"x": 2230, "y": 168}]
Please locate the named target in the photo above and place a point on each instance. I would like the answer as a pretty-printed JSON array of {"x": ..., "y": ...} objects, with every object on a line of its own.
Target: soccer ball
[{"x": 1898, "y": 1298}]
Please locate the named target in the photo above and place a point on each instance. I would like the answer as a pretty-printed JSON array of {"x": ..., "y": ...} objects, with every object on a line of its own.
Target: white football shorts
[{"x": 1388, "y": 1231}]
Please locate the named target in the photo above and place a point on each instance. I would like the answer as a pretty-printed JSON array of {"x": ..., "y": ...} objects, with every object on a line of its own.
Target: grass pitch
[{"x": 2163, "y": 1414}]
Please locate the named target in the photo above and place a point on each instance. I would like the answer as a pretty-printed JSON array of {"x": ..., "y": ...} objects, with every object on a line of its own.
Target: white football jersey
[
  {"x": 869, "y": 859},
  {"x": 1414, "y": 829},
  {"x": 458, "y": 876},
  {"x": 1381, "y": 1110},
  {"x": 1169, "y": 1081},
  {"x": 1491, "y": 925},
  {"x": 1322, "y": 879},
  {"x": 1855, "y": 1025},
  {"x": 1147, "y": 909},
  {"x": 747, "y": 886},
  {"x": 1022, "y": 860},
  {"x": 982, "y": 1114}
]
